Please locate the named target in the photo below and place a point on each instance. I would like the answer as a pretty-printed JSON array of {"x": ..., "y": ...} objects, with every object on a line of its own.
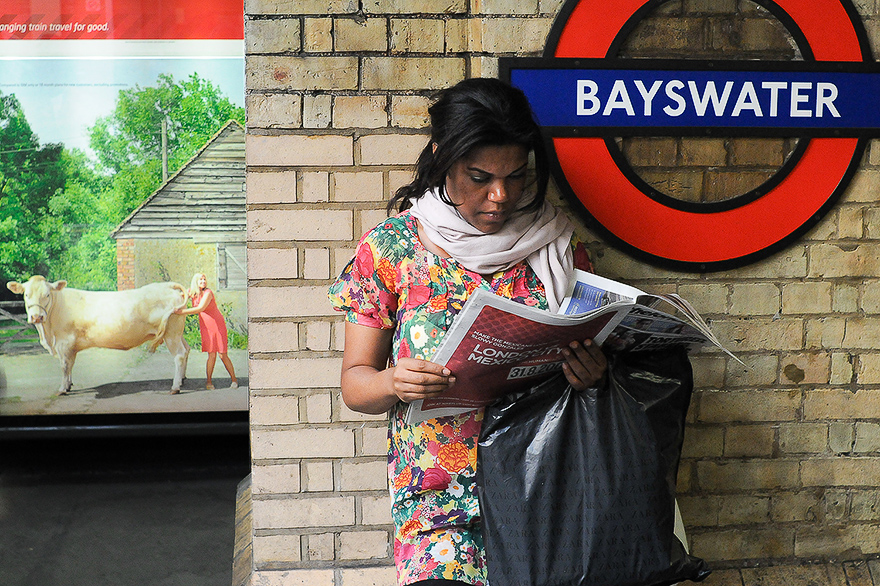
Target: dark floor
[{"x": 138, "y": 511}]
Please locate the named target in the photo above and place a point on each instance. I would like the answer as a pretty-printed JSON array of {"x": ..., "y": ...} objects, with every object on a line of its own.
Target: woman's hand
[
  {"x": 584, "y": 365},
  {"x": 415, "y": 379}
]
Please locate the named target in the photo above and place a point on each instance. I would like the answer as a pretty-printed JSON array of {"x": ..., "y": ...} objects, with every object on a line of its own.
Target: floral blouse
[{"x": 394, "y": 282}]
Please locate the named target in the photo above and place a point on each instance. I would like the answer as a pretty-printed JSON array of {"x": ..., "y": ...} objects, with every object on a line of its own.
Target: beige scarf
[{"x": 541, "y": 238}]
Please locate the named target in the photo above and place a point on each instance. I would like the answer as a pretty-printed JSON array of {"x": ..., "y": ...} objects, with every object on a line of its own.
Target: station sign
[{"x": 584, "y": 96}]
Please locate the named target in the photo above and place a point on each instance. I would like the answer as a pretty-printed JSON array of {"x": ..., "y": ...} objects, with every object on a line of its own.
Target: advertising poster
[{"x": 121, "y": 179}]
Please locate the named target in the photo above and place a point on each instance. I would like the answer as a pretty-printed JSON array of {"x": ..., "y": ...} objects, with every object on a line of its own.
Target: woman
[
  {"x": 212, "y": 327},
  {"x": 473, "y": 217}
]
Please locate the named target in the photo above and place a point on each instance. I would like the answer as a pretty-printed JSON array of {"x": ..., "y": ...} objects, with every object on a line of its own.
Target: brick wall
[
  {"x": 125, "y": 264},
  {"x": 782, "y": 459}
]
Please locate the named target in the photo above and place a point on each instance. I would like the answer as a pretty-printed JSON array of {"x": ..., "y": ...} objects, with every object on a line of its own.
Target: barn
[{"x": 194, "y": 222}]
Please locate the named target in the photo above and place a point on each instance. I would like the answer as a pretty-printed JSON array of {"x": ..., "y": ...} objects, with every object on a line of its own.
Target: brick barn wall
[{"x": 781, "y": 460}]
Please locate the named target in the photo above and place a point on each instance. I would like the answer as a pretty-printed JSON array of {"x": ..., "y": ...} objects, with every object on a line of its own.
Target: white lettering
[
  {"x": 648, "y": 96},
  {"x": 710, "y": 92},
  {"x": 585, "y": 96},
  {"x": 671, "y": 88},
  {"x": 798, "y": 98},
  {"x": 747, "y": 100},
  {"x": 619, "y": 98},
  {"x": 826, "y": 93},
  {"x": 774, "y": 87}
]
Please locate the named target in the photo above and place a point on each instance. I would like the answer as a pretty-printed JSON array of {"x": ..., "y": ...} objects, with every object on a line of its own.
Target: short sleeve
[{"x": 366, "y": 288}]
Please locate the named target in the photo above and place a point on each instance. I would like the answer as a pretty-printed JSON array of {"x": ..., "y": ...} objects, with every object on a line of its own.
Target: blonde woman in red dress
[{"x": 212, "y": 327}]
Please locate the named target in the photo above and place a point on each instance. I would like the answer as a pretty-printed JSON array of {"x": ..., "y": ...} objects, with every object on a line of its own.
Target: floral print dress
[{"x": 394, "y": 282}]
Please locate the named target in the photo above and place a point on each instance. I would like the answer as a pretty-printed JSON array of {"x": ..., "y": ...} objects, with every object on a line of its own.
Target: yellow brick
[
  {"x": 274, "y": 111},
  {"x": 273, "y": 337},
  {"x": 384, "y": 576},
  {"x": 301, "y": 7},
  {"x": 316, "y": 263},
  {"x": 277, "y": 35},
  {"x": 361, "y": 186},
  {"x": 295, "y": 373},
  {"x": 284, "y": 225},
  {"x": 749, "y": 441},
  {"x": 411, "y": 73},
  {"x": 363, "y": 545},
  {"x": 375, "y": 510},
  {"x": 409, "y": 111},
  {"x": 269, "y": 72},
  {"x": 289, "y": 302},
  {"x": 748, "y": 406},
  {"x": 272, "y": 263},
  {"x": 321, "y": 546},
  {"x": 838, "y": 260},
  {"x": 420, "y": 35},
  {"x": 840, "y": 472},
  {"x": 317, "y": 111},
  {"x": 739, "y": 544},
  {"x": 315, "y": 186},
  {"x": 318, "y": 408},
  {"x": 505, "y": 6},
  {"x": 318, "y": 35},
  {"x": 262, "y": 577},
  {"x": 754, "y": 299},
  {"x": 272, "y": 187},
  {"x": 799, "y": 438},
  {"x": 361, "y": 35},
  {"x": 360, "y": 112},
  {"x": 318, "y": 476},
  {"x": 318, "y": 336},
  {"x": 303, "y": 442},
  {"x": 414, "y": 6},
  {"x": 738, "y": 476},
  {"x": 757, "y": 333},
  {"x": 296, "y": 150},
  {"x": 273, "y": 409},
  {"x": 803, "y": 368},
  {"x": 842, "y": 404},
  {"x": 276, "y": 478},
  {"x": 514, "y": 35},
  {"x": 304, "y": 512},
  {"x": 391, "y": 149},
  {"x": 744, "y": 510},
  {"x": 862, "y": 332},
  {"x": 806, "y": 298},
  {"x": 364, "y": 475},
  {"x": 276, "y": 548}
]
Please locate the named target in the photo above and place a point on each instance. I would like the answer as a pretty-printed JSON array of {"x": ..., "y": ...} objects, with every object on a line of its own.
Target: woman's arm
[
  {"x": 369, "y": 385},
  {"x": 202, "y": 306}
]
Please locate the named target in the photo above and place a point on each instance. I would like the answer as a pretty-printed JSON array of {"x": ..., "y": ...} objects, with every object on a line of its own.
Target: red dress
[{"x": 212, "y": 326}]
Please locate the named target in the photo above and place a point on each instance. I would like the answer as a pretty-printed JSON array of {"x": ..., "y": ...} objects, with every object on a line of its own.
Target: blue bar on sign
[{"x": 644, "y": 98}]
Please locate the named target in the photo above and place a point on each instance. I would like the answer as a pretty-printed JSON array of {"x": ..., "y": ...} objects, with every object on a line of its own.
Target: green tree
[
  {"x": 128, "y": 142},
  {"x": 30, "y": 174}
]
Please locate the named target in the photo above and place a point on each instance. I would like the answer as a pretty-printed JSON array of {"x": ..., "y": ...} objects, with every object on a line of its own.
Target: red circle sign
[{"x": 712, "y": 240}]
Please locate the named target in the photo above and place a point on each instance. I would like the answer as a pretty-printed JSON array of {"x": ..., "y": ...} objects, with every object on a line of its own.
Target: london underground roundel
[{"x": 583, "y": 97}]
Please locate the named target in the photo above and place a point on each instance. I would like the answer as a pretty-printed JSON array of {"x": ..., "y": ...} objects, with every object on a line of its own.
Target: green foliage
[
  {"x": 57, "y": 208},
  {"x": 30, "y": 175},
  {"x": 132, "y": 134}
]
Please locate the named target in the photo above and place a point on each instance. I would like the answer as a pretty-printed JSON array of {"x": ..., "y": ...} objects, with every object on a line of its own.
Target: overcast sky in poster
[{"x": 62, "y": 98}]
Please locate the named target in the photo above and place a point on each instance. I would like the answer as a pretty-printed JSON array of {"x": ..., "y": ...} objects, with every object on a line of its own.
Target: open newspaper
[{"x": 497, "y": 346}]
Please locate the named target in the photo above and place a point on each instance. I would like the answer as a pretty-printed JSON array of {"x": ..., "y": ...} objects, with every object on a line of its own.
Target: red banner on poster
[{"x": 121, "y": 19}]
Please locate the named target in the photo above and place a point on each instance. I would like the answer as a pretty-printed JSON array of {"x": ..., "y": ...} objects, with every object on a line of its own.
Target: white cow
[{"x": 70, "y": 320}]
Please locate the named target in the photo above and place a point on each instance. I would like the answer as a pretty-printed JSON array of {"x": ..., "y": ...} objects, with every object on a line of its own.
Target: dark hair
[{"x": 471, "y": 114}]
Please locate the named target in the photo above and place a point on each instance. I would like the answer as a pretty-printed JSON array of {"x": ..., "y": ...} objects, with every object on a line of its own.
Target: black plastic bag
[{"x": 578, "y": 488}]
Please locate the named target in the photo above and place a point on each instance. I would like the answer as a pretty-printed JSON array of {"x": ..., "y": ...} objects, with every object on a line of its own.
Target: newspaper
[{"x": 497, "y": 346}]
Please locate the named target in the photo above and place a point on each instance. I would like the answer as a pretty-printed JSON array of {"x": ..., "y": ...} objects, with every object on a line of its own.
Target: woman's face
[
  {"x": 203, "y": 282},
  {"x": 487, "y": 184}
]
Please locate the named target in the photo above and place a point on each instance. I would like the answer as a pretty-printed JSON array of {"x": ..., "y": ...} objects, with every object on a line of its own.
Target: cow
[{"x": 70, "y": 320}]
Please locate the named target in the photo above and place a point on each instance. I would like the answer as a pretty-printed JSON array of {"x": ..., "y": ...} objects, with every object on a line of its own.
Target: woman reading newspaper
[{"x": 475, "y": 216}]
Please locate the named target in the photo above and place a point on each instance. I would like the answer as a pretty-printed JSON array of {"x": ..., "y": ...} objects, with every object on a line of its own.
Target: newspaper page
[{"x": 497, "y": 346}]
